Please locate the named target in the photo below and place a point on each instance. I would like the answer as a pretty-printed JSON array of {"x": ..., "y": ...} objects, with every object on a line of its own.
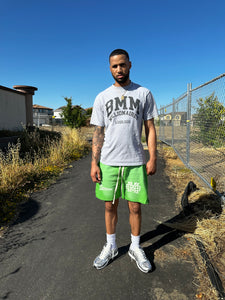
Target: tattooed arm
[{"x": 97, "y": 142}]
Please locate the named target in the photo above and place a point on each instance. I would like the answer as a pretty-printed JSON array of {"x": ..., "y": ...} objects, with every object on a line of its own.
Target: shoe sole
[
  {"x": 139, "y": 267},
  {"x": 102, "y": 267}
]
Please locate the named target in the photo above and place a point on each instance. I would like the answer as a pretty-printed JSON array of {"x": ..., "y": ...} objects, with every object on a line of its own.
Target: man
[{"x": 118, "y": 161}]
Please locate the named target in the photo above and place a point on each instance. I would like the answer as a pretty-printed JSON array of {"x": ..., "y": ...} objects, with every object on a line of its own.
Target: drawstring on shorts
[{"x": 117, "y": 183}]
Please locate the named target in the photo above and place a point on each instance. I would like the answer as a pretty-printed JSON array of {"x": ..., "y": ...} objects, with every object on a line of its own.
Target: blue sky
[{"x": 62, "y": 47}]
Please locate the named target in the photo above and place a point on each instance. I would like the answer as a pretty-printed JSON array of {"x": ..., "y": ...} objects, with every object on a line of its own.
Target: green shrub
[{"x": 210, "y": 122}]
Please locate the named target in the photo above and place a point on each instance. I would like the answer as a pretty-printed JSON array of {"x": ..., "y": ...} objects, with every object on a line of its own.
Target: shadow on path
[
  {"x": 178, "y": 225},
  {"x": 170, "y": 235},
  {"x": 27, "y": 210}
]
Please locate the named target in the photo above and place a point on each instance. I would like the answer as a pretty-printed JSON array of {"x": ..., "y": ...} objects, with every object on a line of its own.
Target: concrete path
[{"x": 48, "y": 253}]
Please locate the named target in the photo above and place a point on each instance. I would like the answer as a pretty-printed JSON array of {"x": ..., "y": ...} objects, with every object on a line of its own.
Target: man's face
[{"x": 120, "y": 69}]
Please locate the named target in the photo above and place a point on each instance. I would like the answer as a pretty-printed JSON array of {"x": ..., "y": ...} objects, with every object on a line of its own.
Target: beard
[{"x": 124, "y": 79}]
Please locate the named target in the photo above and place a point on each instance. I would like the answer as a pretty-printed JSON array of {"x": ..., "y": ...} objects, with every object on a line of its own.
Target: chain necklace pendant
[{"x": 122, "y": 97}]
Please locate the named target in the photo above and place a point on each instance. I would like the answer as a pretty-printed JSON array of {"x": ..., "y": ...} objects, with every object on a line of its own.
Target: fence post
[
  {"x": 163, "y": 129},
  {"x": 173, "y": 115},
  {"x": 160, "y": 125},
  {"x": 189, "y": 87}
]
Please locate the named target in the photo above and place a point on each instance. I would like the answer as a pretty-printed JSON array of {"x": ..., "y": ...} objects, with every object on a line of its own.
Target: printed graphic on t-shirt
[{"x": 117, "y": 107}]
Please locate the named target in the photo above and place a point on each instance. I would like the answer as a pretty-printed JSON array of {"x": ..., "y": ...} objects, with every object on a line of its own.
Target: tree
[
  {"x": 89, "y": 111},
  {"x": 73, "y": 116},
  {"x": 210, "y": 122}
]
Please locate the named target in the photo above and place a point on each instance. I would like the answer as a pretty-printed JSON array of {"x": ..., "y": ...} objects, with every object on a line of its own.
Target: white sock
[
  {"x": 135, "y": 241},
  {"x": 111, "y": 239}
]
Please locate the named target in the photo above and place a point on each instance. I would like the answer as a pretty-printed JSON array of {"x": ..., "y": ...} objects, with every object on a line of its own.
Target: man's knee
[
  {"x": 135, "y": 208},
  {"x": 109, "y": 207}
]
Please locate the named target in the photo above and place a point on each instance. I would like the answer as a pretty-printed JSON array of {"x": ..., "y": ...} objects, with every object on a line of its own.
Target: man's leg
[
  {"x": 135, "y": 217},
  {"x": 111, "y": 216},
  {"x": 109, "y": 250},
  {"x": 135, "y": 251}
]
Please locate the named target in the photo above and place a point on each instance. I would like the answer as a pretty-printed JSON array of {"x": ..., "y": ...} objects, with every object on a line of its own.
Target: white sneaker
[
  {"x": 105, "y": 256},
  {"x": 139, "y": 256}
]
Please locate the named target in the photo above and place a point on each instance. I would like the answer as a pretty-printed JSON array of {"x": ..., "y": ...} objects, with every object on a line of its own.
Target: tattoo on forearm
[{"x": 97, "y": 142}]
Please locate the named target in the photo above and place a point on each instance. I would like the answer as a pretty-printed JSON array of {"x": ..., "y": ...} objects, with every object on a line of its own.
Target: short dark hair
[{"x": 119, "y": 52}]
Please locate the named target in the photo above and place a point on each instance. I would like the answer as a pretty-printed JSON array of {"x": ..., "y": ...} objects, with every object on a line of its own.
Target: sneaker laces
[{"x": 105, "y": 251}]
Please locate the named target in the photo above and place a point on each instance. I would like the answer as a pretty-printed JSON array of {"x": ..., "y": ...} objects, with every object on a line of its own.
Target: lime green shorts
[{"x": 129, "y": 183}]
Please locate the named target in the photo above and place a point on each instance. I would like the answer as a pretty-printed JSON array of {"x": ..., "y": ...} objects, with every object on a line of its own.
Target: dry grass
[
  {"x": 211, "y": 232},
  {"x": 206, "y": 223},
  {"x": 22, "y": 173},
  {"x": 179, "y": 174}
]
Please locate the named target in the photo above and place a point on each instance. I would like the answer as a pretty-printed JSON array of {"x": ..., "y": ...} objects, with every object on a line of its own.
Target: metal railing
[{"x": 194, "y": 125}]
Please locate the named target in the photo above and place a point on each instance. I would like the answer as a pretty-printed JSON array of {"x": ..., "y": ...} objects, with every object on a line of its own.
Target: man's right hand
[{"x": 95, "y": 173}]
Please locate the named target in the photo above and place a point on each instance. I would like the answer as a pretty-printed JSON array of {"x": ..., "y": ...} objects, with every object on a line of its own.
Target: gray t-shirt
[{"x": 121, "y": 110}]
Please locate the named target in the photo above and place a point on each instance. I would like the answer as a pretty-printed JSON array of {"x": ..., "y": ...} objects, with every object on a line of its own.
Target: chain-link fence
[{"x": 194, "y": 125}]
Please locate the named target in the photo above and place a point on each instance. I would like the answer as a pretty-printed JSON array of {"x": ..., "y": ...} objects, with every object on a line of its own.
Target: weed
[{"x": 37, "y": 159}]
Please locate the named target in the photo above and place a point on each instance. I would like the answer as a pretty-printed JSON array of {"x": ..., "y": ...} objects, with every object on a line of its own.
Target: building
[
  {"x": 58, "y": 115},
  {"x": 16, "y": 107},
  {"x": 42, "y": 115},
  {"x": 178, "y": 119}
]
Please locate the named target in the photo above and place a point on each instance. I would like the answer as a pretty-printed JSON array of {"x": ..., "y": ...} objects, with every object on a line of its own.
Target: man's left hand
[{"x": 151, "y": 167}]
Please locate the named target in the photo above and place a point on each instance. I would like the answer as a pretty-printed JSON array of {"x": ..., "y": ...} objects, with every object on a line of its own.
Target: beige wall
[{"x": 12, "y": 110}]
